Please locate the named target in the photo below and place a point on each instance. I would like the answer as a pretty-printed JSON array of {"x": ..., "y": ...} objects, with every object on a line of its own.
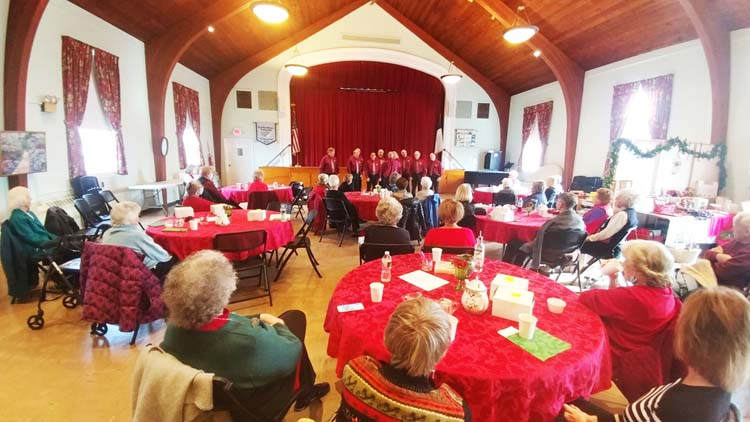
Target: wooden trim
[
  {"x": 714, "y": 36},
  {"x": 568, "y": 73},
  {"x": 23, "y": 21}
]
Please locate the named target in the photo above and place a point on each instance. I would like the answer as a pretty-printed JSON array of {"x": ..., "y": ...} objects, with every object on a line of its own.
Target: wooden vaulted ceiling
[{"x": 591, "y": 32}]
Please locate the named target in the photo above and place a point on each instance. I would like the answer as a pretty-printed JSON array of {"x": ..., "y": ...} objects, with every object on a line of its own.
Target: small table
[
  {"x": 365, "y": 203},
  {"x": 523, "y": 228},
  {"x": 499, "y": 380},
  {"x": 156, "y": 187},
  {"x": 284, "y": 193},
  {"x": 182, "y": 244}
]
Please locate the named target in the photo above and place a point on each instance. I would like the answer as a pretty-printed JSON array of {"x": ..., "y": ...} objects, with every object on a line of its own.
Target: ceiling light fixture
[
  {"x": 537, "y": 53},
  {"x": 296, "y": 69},
  {"x": 517, "y": 34},
  {"x": 270, "y": 11},
  {"x": 451, "y": 78},
  {"x": 211, "y": 28}
]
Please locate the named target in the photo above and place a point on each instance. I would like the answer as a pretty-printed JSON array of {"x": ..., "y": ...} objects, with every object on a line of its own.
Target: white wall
[
  {"x": 738, "y": 136},
  {"x": 367, "y": 20}
]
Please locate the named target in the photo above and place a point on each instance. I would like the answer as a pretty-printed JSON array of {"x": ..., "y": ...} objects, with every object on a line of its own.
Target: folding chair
[
  {"x": 300, "y": 198},
  {"x": 89, "y": 217},
  {"x": 253, "y": 241},
  {"x": 567, "y": 244},
  {"x": 372, "y": 251},
  {"x": 338, "y": 217},
  {"x": 109, "y": 197},
  {"x": 260, "y": 200},
  {"x": 98, "y": 205},
  {"x": 300, "y": 241},
  {"x": 503, "y": 198},
  {"x": 226, "y": 399}
]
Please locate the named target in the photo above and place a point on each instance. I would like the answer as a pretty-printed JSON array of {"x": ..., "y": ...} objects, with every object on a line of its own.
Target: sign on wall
[
  {"x": 265, "y": 132},
  {"x": 466, "y": 137}
]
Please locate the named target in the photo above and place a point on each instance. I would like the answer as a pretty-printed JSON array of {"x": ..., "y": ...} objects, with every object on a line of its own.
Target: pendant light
[
  {"x": 517, "y": 34},
  {"x": 270, "y": 11},
  {"x": 295, "y": 69},
  {"x": 451, "y": 78}
]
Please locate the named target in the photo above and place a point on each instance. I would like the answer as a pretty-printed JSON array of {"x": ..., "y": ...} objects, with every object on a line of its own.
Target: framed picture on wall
[
  {"x": 466, "y": 137},
  {"x": 265, "y": 132},
  {"x": 483, "y": 110}
]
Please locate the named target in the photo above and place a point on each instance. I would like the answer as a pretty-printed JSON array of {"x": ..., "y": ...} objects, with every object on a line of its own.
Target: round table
[
  {"x": 523, "y": 228},
  {"x": 484, "y": 195},
  {"x": 284, "y": 193},
  {"x": 499, "y": 380},
  {"x": 365, "y": 204},
  {"x": 182, "y": 244}
]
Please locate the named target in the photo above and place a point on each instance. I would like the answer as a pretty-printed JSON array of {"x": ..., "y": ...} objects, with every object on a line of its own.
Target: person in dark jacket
[
  {"x": 348, "y": 185},
  {"x": 554, "y": 188},
  {"x": 537, "y": 196},
  {"x": 210, "y": 191},
  {"x": 333, "y": 192},
  {"x": 389, "y": 213}
]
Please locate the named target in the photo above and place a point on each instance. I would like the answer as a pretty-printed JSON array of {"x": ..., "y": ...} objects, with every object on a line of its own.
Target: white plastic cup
[
  {"x": 454, "y": 326},
  {"x": 193, "y": 224},
  {"x": 611, "y": 267},
  {"x": 437, "y": 253},
  {"x": 555, "y": 305},
  {"x": 526, "y": 326},
  {"x": 376, "y": 292}
]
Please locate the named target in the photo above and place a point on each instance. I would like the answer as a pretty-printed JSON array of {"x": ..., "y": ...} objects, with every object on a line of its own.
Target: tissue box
[
  {"x": 183, "y": 212},
  {"x": 507, "y": 304},
  {"x": 503, "y": 214},
  {"x": 444, "y": 267},
  {"x": 256, "y": 215},
  {"x": 508, "y": 283},
  {"x": 217, "y": 209}
]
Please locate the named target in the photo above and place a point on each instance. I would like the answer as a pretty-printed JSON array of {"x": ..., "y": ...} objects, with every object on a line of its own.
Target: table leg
[{"x": 164, "y": 202}]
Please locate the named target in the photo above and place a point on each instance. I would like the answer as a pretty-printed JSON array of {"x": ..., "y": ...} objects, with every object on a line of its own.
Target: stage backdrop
[{"x": 369, "y": 105}]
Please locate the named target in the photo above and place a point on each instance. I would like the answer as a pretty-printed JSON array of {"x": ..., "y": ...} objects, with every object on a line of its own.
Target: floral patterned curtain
[
  {"x": 107, "y": 78},
  {"x": 620, "y": 101},
  {"x": 76, "y": 70},
  {"x": 195, "y": 116},
  {"x": 542, "y": 114},
  {"x": 659, "y": 91},
  {"x": 529, "y": 115},
  {"x": 180, "y": 116}
]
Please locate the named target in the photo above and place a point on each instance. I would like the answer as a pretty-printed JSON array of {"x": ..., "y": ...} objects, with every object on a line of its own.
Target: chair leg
[
  {"x": 342, "y": 234},
  {"x": 578, "y": 270},
  {"x": 313, "y": 261},
  {"x": 557, "y": 279},
  {"x": 135, "y": 334},
  {"x": 264, "y": 272},
  {"x": 591, "y": 262},
  {"x": 283, "y": 264}
]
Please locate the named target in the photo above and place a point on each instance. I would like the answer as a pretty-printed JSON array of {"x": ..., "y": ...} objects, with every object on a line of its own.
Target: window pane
[
  {"x": 532, "y": 151},
  {"x": 99, "y": 150},
  {"x": 192, "y": 146},
  {"x": 637, "y": 117}
]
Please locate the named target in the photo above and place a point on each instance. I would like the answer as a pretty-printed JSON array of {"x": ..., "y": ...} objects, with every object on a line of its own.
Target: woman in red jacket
[
  {"x": 193, "y": 198},
  {"x": 450, "y": 235}
]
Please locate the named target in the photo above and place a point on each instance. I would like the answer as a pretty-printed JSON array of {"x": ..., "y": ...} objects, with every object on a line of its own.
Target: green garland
[{"x": 718, "y": 151}]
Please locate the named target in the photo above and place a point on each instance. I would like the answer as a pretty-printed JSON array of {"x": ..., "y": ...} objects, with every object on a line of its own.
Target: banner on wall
[
  {"x": 265, "y": 132},
  {"x": 466, "y": 137}
]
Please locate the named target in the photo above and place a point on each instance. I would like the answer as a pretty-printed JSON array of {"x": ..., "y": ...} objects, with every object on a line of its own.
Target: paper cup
[
  {"x": 610, "y": 267},
  {"x": 555, "y": 305},
  {"x": 376, "y": 292},
  {"x": 169, "y": 224},
  {"x": 193, "y": 224},
  {"x": 526, "y": 325},
  {"x": 437, "y": 253},
  {"x": 454, "y": 326}
]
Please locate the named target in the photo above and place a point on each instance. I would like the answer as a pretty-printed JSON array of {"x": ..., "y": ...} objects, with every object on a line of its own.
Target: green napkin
[
  {"x": 543, "y": 346},
  {"x": 175, "y": 229},
  {"x": 157, "y": 223}
]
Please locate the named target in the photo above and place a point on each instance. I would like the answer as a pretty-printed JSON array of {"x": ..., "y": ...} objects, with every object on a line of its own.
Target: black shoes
[{"x": 317, "y": 391}]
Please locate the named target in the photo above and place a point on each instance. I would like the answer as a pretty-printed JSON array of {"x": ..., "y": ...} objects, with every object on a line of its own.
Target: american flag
[{"x": 295, "y": 132}]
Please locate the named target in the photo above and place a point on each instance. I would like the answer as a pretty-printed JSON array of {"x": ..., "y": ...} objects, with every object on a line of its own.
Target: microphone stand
[
  {"x": 278, "y": 155},
  {"x": 453, "y": 158}
]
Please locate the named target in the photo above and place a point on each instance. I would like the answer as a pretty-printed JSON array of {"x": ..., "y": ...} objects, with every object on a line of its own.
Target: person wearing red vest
[
  {"x": 328, "y": 163},
  {"x": 355, "y": 169},
  {"x": 405, "y": 161},
  {"x": 417, "y": 170},
  {"x": 372, "y": 170},
  {"x": 434, "y": 170}
]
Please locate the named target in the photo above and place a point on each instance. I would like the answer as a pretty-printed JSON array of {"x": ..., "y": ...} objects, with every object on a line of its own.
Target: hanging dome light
[
  {"x": 451, "y": 78},
  {"x": 296, "y": 69},
  {"x": 517, "y": 34},
  {"x": 270, "y": 11}
]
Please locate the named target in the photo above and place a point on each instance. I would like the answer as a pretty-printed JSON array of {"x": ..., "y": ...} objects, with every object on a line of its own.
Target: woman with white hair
[
  {"x": 386, "y": 231},
  {"x": 26, "y": 224},
  {"x": 615, "y": 228},
  {"x": 125, "y": 232},
  {"x": 335, "y": 193},
  {"x": 259, "y": 354},
  {"x": 731, "y": 262},
  {"x": 465, "y": 196},
  {"x": 258, "y": 184},
  {"x": 426, "y": 188},
  {"x": 417, "y": 336},
  {"x": 210, "y": 191},
  {"x": 554, "y": 188}
]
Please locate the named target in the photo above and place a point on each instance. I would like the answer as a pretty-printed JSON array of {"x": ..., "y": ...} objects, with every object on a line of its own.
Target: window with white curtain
[
  {"x": 192, "y": 145},
  {"x": 532, "y": 151},
  {"x": 98, "y": 140}
]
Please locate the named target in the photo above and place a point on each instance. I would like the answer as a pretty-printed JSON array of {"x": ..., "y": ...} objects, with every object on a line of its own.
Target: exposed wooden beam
[
  {"x": 23, "y": 20},
  {"x": 221, "y": 84},
  {"x": 162, "y": 54},
  {"x": 567, "y": 72},
  {"x": 498, "y": 95},
  {"x": 714, "y": 36}
]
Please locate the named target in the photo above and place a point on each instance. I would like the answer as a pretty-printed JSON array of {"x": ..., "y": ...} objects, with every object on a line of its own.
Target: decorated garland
[{"x": 718, "y": 151}]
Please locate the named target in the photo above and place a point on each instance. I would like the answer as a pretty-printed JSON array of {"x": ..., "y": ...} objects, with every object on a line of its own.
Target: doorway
[{"x": 240, "y": 160}]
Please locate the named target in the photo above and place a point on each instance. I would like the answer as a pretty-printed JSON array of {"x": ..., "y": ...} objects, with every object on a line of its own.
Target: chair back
[
  {"x": 413, "y": 219},
  {"x": 430, "y": 209},
  {"x": 503, "y": 198},
  {"x": 273, "y": 206},
  {"x": 557, "y": 245},
  {"x": 252, "y": 240},
  {"x": 108, "y": 197},
  {"x": 307, "y": 225},
  {"x": 455, "y": 250},
  {"x": 469, "y": 221},
  {"x": 227, "y": 399},
  {"x": 84, "y": 184},
  {"x": 97, "y": 204},
  {"x": 372, "y": 251},
  {"x": 90, "y": 219},
  {"x": 336, "y": 210},
  {"x": 297, "y": 188},
  {"x": 260, "y": 200}
]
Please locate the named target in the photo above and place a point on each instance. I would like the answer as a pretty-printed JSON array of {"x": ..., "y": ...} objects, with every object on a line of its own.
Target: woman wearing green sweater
[
  {"x": 26, "y": 224},
  {"x": 260, "y": 354}
]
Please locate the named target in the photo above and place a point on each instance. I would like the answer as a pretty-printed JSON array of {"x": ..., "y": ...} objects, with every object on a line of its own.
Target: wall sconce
[{"x": 49, "y": 103}]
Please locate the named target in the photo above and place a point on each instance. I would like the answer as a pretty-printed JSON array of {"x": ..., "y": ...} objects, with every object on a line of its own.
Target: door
[{"x": 239, "y": 160}]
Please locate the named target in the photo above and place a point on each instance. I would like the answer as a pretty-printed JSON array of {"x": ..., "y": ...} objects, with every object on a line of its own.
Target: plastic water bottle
[
  {"x": 479, "y": 254},
  {"x": 385, "y": 273}
]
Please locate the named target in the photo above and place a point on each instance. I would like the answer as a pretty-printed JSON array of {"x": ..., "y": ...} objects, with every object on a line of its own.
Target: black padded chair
[
  {"x": 300, "y": 198},
  {"x": 613, "y": 251},
  {"x": 227, "y": 399},
  {"x": 85, "y": 184},
  {"x": 503, "y": 198},
  {"x": 260, "y": 200},
  {"x": 567, "y": 244},
  {"x": 253, "y": 241},
  {"x": 89, "y": 217},
  {"x": 300, "y": 241},
  {"x": 372, "y": 251},
  {"x": 337, "y": 217},
  {"x": 97, "y": 204},
  {"x": 109, "y": 198},
  {"x": 413, "y": 219},
  {"x": 450, "y": 249}
]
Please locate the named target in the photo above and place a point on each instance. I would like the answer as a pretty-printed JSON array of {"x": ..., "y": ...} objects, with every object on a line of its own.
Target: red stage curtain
[{"x": 405, "y": 118}]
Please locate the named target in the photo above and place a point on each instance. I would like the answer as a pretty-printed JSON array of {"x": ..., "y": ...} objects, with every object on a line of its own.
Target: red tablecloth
[
  {"x": 182, "y": 244},
  {"x": 284, "y": 193},
  {"x": 365, "y": 204},
  {"x": 720, "y": 222},
  {"x": 524, "y": 228},
  {"x": 483, "y": 195},
  {"x": 499, "y": 380}
]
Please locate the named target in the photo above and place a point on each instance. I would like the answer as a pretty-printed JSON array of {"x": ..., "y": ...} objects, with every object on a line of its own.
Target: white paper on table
[
  {"x": 275, "y": 217},
  {"x": 508, "y": 331},
  {"x": 423, "y": 280}
]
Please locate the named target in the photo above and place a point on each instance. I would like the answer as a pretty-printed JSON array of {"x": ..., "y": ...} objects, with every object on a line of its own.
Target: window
[
  {"x": 532, "y": 151},
  {"x": 192, "y": 145},
  {"x": 638, "y": 114},
  {"x": 98, "y": 140}
]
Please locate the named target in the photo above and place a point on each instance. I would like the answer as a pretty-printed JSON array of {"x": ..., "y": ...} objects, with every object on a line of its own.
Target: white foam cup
[
  {"x": 555, "y": 305},
  {"x": 526, "y": 325},
  {"x": 193, "y": 224},
  {"x": 376, "y": 292},
  {"x": 437, "y": 253}
]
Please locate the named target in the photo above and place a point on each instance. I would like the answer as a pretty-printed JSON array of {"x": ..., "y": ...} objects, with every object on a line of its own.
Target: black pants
[
  {"x": 357, "y": 182},
  {"x": 296, "y": 321},
  {"x": 416, "y": 183},
  {"x": 600, "y": 250},
  {"x": 434, "y": 179},
  {"x": 513, "y": 254},
  {"x": 162, "y": 269},
  {"x": 372, "y": 180}
]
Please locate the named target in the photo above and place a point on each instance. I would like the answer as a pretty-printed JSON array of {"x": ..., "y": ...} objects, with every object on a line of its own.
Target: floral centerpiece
[
  {"x": 462, "y": 267},
  {"x": 529, "y": 208}
]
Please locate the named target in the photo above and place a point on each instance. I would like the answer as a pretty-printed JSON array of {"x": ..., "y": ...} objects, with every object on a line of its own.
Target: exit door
[{"x": 239, "y": 160}]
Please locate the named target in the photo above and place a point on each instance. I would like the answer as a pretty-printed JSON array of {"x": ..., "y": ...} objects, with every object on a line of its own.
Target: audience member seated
[
  {"x": 615, "y": 228},
  {"x": 426, "y": 188},
  {"x": 315, "y": 202},
  {"x": 712, "y": 338},
  {"x": 731, "y": 262},
  {"x": 348, "y": 185},
  {"x": 262, "y": 355},
  {"x": 333, "y": 192},
  {"x": 402, "y": 189},
  {"x": 389, "y": 213},
  {"x": 515, "y": 183},
  {"x": 193, "y": 198},
  {"x": 516, "y": 252},
  {"x": 392, "y": 182},
  {"x": 507, "y": 186},
  {"x": 258, "y": 184},
  {"x": 596, "y": 216},
  {"x": 537, "y": 196},
  {"x": 465, "y": 196},
  {"x": 26, "y": 224},
  {"x": 417, "y": 336},
  {"x": 450, "y": 213},
  {"x": 554, "y": 188},
  {"x": 126, "y": 232},
  {"x": 638, "y": 318},
  {"x": 210, "y": 191}
]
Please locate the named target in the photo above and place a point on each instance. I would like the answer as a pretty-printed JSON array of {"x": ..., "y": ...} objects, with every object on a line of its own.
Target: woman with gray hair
[
  {"x": 731, "y": 262},
  {"x": 417, "y": 335},
  {"x": 386, "y": 231},
  {"x": 125, "y": 232},
  {"x": 259, "y": 354},
  {"x": 615, "y": 228},
  {"x": 335, "y": 193},
  {"x": 426, "y": 190},
  {"x": 258, "y": 184}
]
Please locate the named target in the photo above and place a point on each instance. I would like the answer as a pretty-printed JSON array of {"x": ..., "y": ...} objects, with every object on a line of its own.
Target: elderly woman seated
[
  {"x": 731, "y": 262},
  {"x": 126, "y": 232},
  {"x": 554, "y": 188},
  {"x": 712, "y": 338},
  {"x": 258, "y": 184},
  {"x": 450, "y": 213},
  {"x": 417, "y": 336},
  {"x": 348, "y": 184},
  {"x": 506, "y": 186},
  {"x": 537, "y": 196},
  {"x": 402, "y": 189},
  {"x": 389, "y": 213},
  {"x": 193, "y": 198},
  {"x": 210, "y": 191},
  {"x": 392, "y": 179},
  {"x": 26, "y": 224},
  {"x": 262, "y": 355},
  {"x": 465, "y": 196},
  {"x": 596, "y": 216},
  {"x": 426, "y": 188},
  {"x": 614, "y": 229},
  {"x": 335, "y": 193}
]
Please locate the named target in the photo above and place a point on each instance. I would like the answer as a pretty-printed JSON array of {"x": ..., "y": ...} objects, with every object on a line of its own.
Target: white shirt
[{"x": 616, "y": 223}]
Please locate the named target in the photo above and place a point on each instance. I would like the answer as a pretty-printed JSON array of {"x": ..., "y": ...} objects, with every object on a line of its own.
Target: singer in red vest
[
  {"x": 434, "y": 170},
  {"x": 418, "y": 170},
  {"x": 328, "y": 163},
  {"x": 405, "y": 161},
  {"x": 355, "y": 169},
  {"x": 372, "y": 170}
]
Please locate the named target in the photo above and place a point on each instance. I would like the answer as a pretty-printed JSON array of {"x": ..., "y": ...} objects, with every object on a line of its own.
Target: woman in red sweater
[
  {"x": 258, "y": 184},
  {"x": 193, "y": 198},
  {"x": 450, "y": 235}
]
